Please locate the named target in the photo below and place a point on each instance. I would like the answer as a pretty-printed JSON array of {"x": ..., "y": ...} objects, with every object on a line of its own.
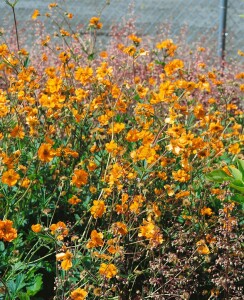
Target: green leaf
[
  {"x": 26, "y": 62},
  {"x": 240, "y": 164},
  {"x": 236, "y": 173},
  {"x": 23, "y": 296},
  {"x": 2, "y": 246},
  {"x": 238, "y": 198},
  {"x": 238, "y": 186},
  {"x": 218, "y": 176},
  {"x": 36, "y": 286},
  {"x": 91, "y": 56},
  {"x": 158, "y": 62}
]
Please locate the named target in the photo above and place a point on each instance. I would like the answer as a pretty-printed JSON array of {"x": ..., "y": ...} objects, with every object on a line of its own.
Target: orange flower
[
  {"x": 206, "y": 211},
  {"x": 74, "y": 200},
  {"x": 84, "y": 75},
  {"x": 36, "y": 228},
  {"x": 3, "y": 50},
  {"x": 66, "y": 259},
  {"x": 25, "y": 183},
  {"x": 150, "y": 231},
  {"x": 202, "y": 248},
  {"x": 94, "y": 22},
  {"x": 7, "y": 232},
  {"x": 35, "y": 14},
  {"x": 168, "y": 45},
  {"x": 120, "y": 228},
  {"x": 173, "y": 66},
  {"x": 17, "y": 132},
  {"x": 234, "y": 149},
  {"x": 45, "y": 152},
  {"x": 98, "y": 208},
  {"x": 96, "y": 240},
  {"x": 10, "y": 177},
  {"x": 136, "y": 40},
  {"x": 78, "y": 294},
  {"x": 108, "y": 270},
  {"x": 59, "y": 228},
  {"x": 215, "y": 128},
  {"x": 182, "y": 194},
  {"x": 79, "y": 178},
  {"x": 181, "y": 175},
  {"x": 116, "y": 128}
]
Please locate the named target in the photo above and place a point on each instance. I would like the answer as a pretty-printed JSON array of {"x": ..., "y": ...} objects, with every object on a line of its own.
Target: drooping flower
[{"x": 66, "y": 259}]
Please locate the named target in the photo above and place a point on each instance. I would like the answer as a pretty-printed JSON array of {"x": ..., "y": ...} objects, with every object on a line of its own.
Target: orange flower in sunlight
[
  {"x": 136, "y": 40},
  {"x": 98, "y": 208},
  {"x": 151, "y": 232},
  {"x": 78, "y": 294},
  {"x": 45, "y": 152},
  {"x": 84, "y": 75},
  {"x": 234, "y": 149},
  {"x": 181, "y": 175},
  {"x": 108, "y": 270},
  {"x": 79, "y": 178},
  {"x": 10, "y": 177},
  {"x": 36, "y": 228},
  {"x": 7, "y": 232},
  {"x": 94, "y": 22},
  {"x": 35, "y": 14},
  {"x": 96, "y": 240},
  {"x": 66, "y": 259}
]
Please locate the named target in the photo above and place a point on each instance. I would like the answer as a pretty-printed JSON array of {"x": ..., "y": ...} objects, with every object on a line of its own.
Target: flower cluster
[{"x": 102, "y": 167}]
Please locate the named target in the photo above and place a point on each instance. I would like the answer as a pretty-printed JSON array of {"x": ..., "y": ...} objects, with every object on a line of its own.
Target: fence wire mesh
[{"x": 200, "y": 18}]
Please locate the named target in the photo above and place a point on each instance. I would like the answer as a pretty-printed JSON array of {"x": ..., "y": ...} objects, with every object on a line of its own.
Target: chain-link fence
[{"x": 200, "y": 18}]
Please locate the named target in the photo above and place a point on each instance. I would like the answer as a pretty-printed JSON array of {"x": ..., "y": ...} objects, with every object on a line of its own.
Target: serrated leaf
[{"x": 218, "y": 176}]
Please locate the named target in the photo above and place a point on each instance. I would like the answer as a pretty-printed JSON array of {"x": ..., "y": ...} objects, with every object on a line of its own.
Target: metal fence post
[{"x": 222, "y": 28}]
